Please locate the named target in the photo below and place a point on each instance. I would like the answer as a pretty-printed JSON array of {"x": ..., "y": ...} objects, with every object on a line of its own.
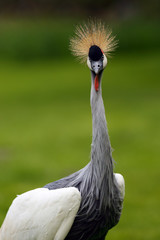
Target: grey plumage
[{"x": 101, "y": 203}]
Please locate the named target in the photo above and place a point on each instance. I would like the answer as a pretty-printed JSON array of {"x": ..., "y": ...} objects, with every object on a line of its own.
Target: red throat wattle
[{"x": 96, "y": 83}]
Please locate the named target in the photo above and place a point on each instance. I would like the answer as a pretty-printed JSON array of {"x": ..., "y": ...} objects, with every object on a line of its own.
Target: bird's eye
[{"x": 102, "y": 57}]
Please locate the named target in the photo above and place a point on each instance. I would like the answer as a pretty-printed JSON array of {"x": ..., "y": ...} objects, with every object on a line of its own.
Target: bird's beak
[{"x": 97, "y": 66}]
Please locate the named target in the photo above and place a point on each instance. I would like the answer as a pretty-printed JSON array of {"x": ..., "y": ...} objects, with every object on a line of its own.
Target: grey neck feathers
[
  {"x": 100, "y": 138},
  {"x": 101, "y": 157}
]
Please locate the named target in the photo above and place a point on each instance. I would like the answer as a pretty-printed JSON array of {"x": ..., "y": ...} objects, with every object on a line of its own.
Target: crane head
[
  {"x": 93, "y": 43},
  {"x": 96, "y": 59},
  {"x": 96, "y": 62}
]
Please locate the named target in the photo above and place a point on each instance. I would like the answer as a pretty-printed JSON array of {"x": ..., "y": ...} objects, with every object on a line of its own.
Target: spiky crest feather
[{"x": 93, "y": 33}]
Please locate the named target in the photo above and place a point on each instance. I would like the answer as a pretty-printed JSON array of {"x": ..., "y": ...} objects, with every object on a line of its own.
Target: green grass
[{"x": 45, "y": 126}]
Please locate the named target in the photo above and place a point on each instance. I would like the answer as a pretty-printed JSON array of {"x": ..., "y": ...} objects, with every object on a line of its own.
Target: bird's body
[{"x": 99, "y": 192}]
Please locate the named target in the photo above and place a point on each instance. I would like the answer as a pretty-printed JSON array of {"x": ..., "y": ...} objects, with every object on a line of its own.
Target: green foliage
[
  {"x": 34, "y": 39},
  {"x": 49, "y": 39},
  {"x": 45, "y": 129}
]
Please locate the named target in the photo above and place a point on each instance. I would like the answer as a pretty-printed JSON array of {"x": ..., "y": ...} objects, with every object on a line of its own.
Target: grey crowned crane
[{"x": 86, "y": 204}]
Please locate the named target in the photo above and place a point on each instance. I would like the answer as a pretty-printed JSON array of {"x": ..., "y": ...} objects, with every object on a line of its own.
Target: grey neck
[
  {"x": 100, "y": 138},
  {"x": 101, "y": 156}
]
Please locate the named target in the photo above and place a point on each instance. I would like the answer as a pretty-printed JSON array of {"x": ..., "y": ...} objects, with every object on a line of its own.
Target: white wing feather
[
  {"x": 41, "y": 214},
  {"x": 121, "y": 183}
]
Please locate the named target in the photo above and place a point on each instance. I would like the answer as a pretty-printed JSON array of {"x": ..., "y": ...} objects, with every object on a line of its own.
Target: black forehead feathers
[{"x": 95, "y": 53}]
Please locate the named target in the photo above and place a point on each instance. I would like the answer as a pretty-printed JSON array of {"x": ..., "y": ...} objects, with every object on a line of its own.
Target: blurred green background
[{"x": 45, "y": 117}]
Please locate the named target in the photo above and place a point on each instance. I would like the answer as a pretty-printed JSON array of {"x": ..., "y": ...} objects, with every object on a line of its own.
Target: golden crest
[{"x": 87, "y": 35}]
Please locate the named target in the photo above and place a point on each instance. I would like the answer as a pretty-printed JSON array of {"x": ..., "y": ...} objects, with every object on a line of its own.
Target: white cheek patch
[
  {"x": 89, "y": 63},
  {"x": 104, "y": 61}
]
